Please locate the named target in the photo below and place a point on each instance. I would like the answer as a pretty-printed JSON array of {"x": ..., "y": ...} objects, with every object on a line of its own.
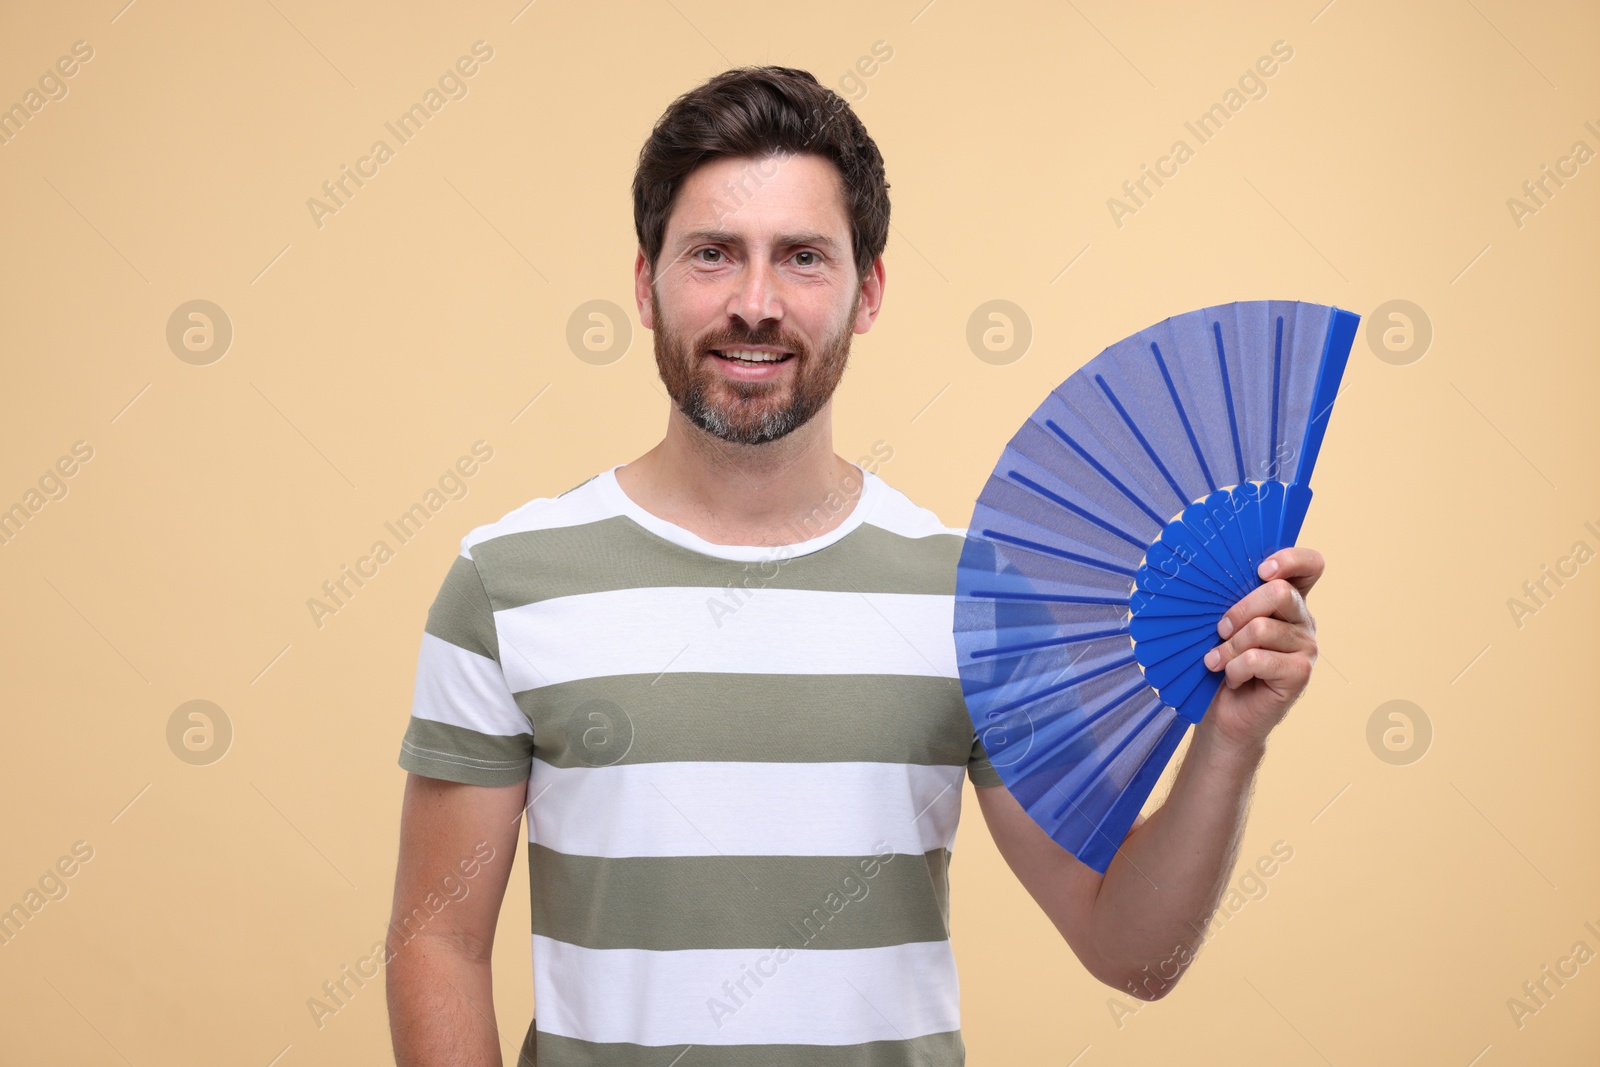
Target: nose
[{"x": 755, "y": 299}]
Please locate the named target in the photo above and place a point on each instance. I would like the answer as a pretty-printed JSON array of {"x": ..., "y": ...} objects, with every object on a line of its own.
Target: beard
[{"x": 748, "y": 413}]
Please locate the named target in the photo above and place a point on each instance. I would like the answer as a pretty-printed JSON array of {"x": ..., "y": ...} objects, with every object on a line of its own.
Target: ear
[
  {"x": 641, "y": 289},
  {"x": 871, "y": 297}
]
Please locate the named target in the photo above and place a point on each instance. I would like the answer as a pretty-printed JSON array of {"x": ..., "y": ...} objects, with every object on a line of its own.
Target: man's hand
[{"x": 1269, "y": 648}]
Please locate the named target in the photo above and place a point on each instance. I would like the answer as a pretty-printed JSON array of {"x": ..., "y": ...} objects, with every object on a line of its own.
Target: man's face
[{"x": 756, "y": 262}]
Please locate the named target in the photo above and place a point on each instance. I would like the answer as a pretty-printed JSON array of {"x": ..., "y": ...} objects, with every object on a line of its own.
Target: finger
[
  {"x": 1262, "y": 632},
  {"x": 1286, "y": 672},
  {"x": 1277, "y": 598},
  {"x": 1301, "y": 567}
]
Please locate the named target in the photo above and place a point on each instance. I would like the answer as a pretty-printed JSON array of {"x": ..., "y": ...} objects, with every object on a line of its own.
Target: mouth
[{"x": 745, "y": 357}]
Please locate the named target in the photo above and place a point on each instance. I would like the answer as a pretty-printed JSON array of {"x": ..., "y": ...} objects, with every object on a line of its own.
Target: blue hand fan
[{"x": 1125, "y": 517}]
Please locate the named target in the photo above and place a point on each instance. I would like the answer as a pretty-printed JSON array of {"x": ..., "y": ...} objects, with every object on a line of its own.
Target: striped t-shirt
[{"x": 744, "y": 771}]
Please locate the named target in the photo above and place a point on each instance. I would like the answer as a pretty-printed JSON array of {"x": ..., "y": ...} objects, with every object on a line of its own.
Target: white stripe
[
  {"x": 744, "y": 809},
  {"x": 580, "y": 505},
  {"x": 899, "y": 514},
  {"x": 811, "y": 997},
  {"x": 462, "y": 688},
  {"x": 707, "y": 628}
]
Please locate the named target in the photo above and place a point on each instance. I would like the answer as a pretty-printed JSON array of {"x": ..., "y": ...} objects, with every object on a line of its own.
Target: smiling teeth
[{"x": 752, "y": 357}]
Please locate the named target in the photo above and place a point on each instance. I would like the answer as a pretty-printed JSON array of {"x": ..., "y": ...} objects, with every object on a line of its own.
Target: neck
[{"x": 776, "y": 493}]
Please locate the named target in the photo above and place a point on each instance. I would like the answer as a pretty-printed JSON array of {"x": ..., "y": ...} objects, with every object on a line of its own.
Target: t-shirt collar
[{"x": 623, "y": 503}]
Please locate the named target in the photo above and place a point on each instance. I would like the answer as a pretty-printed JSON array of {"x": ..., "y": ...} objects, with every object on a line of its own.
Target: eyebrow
[{"x": 728, "y": 237}]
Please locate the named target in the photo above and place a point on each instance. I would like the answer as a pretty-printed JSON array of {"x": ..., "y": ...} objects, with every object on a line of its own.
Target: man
[{"x": 721, "y": 680}]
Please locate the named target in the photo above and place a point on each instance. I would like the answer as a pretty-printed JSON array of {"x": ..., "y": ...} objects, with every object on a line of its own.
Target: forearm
[
  {"x": 1164, "y": 884},
  {"x": 441, "y": 1007}
]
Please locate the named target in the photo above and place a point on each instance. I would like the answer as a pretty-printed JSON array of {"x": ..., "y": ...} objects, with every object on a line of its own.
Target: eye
[
  {"x": 815, "y": 258},
  {"x": 713, "y": 251}
]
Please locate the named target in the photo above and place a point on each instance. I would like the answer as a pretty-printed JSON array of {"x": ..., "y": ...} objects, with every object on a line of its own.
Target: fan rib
[
  {"x": 1135, "y": 793},
  {"x": 1061, "y": 687},
  {"x": 1149, "y": 628},
  {"x": 1089, "y": 516},
  {"x": 1183, "y": 416},
  {"x": 1177, "y": 490},
  {"x": 1049, "y": 642},
  {"x": 1166, "y": 671},
  {"x": 1185, "y": 592},
  {"x": 1088, "y": 561},
  {"x": 1330, "y": 371},
  {"x": 1160, "y": 554},
  {"x": 1191, "y": 591},
  {"x": 1227, "y": 396},
  {"x": 1277, "y": 373},
  {"x": 1072, "y": 801},
  {"x": 1047, "y": 598},
  {"x": 1089, "y": 720},
  {"x": 1107, "y": 475},
  {"x": 1178, "y": 688},
  {"x": 1149, "y": 640},
  {"x": 1202, "y": 644},
  {"x": 1144, "y": 602},
  {"x": 1192, "y": 708},
  {"x": 1142, "y": 628}
]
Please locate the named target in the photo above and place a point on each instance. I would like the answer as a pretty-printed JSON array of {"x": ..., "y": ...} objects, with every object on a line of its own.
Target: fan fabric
[{"x": 1122, "y": 520}]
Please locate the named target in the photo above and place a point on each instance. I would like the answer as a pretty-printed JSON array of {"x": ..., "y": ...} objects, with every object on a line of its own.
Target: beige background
[{"x": 432, "y": 310}]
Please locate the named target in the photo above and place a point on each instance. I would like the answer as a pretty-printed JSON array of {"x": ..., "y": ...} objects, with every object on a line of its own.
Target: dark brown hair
[{"x": 750, "y": 112}]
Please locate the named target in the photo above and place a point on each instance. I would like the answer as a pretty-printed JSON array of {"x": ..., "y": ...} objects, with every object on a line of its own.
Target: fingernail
[
  {"x": 1213, "y": 658},
  {"x": 1225, "y": 627},
  {"x": 1269, "y": 568}
]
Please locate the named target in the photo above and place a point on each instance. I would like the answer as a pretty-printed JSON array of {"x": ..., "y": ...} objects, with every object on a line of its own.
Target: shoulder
[
  {"x": 580, "y": 505},
  {"x": 899, "y": 514},
  {"x": 908, "y": 545}
]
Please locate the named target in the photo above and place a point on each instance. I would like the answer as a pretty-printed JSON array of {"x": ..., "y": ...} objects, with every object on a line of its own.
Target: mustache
[{"x": 723, "y": 341}]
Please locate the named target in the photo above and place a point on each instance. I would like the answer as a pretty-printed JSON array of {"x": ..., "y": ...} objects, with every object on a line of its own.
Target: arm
[
  {"x": 1138, "y": 926},
  {"x": 457, "y": 843}
]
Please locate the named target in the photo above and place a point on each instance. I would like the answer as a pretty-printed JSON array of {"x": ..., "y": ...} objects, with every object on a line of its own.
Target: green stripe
[
  {"x": 665, "y": 903},
  {"x": 981, "y": 770},
  {"x": 932, "y": 1050},
  {"x": 461, "y": 613},
  {"x": 792, "y": 718},
  {"x": 440, "y": 750},
  {"x": 617, "y": 553}
]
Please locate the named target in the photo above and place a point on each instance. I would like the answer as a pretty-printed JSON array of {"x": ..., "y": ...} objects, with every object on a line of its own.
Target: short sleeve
[
  {"x": 465, "y": 725},
  {"x": 979, "y": 769}
]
